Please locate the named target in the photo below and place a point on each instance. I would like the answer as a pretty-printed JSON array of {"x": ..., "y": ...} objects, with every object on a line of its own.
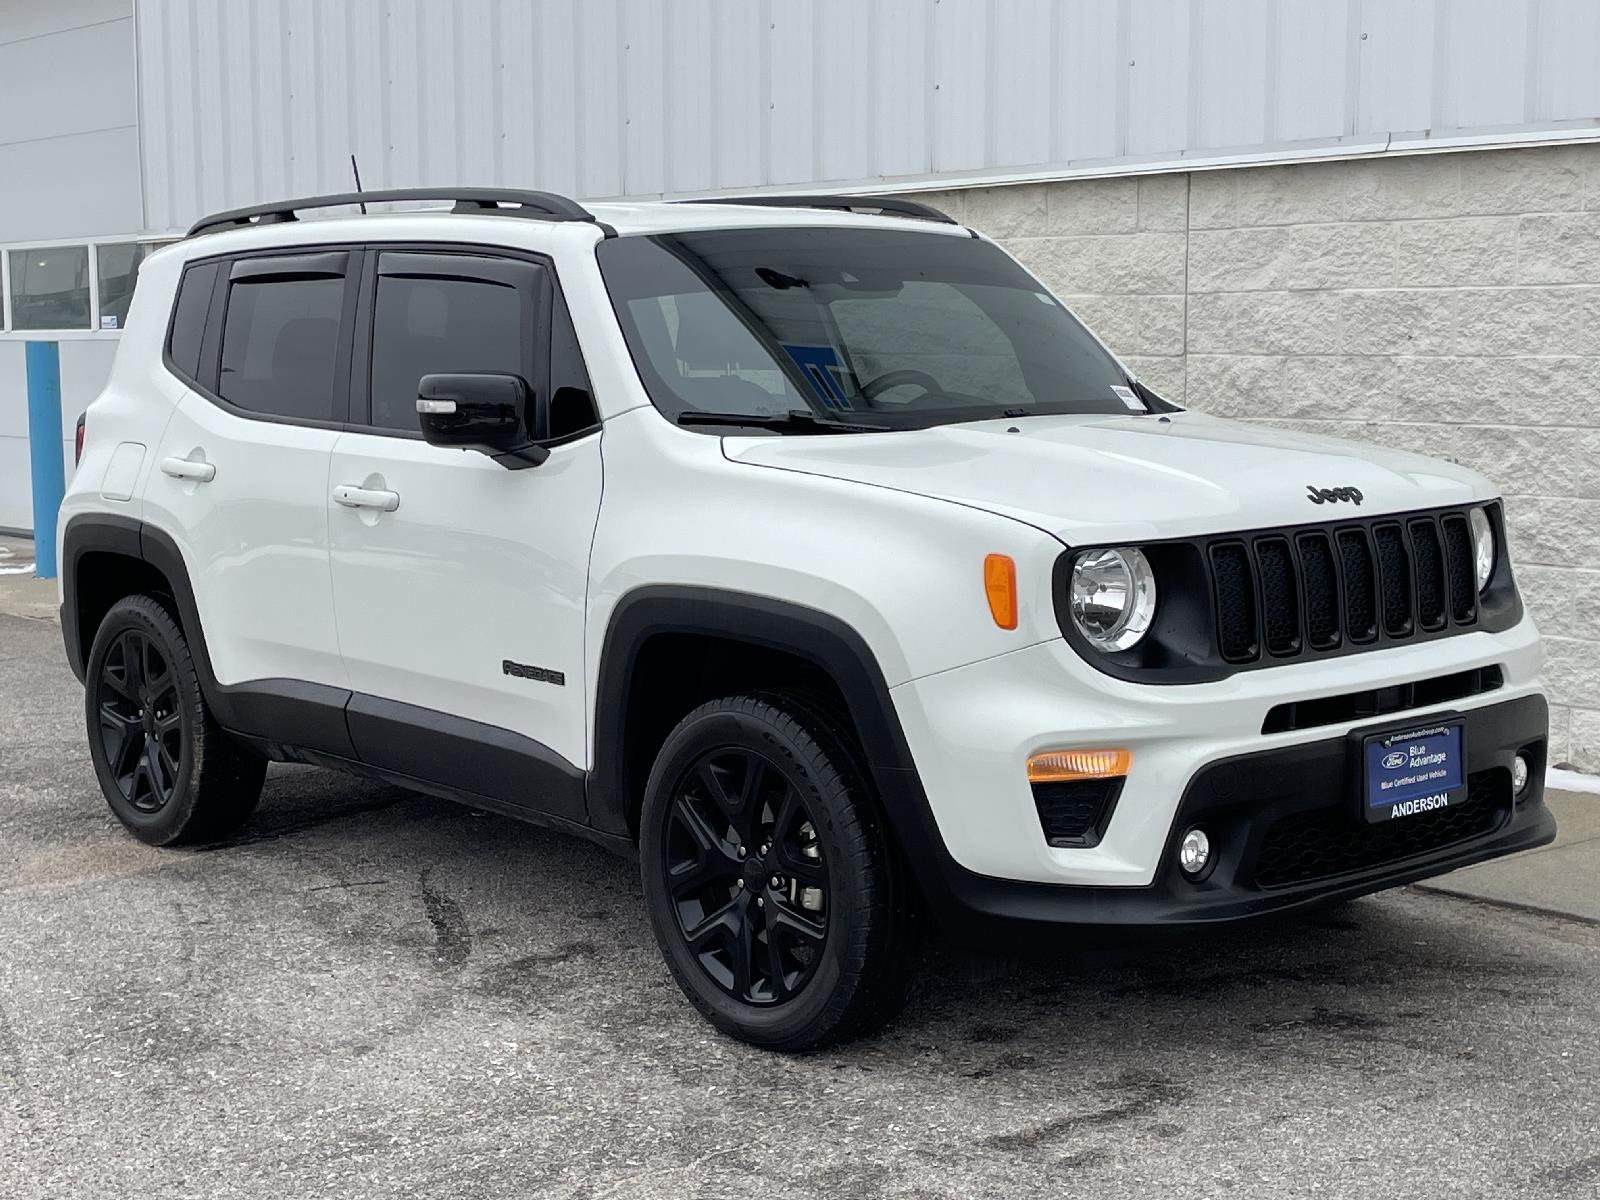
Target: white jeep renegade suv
[{"x": 819, "y": 558}]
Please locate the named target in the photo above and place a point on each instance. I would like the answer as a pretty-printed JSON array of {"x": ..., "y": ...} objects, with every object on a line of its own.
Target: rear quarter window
[{"x": 189, "y": 319}]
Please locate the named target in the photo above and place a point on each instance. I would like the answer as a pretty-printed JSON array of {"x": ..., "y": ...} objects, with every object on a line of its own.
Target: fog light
[
  {"x": 1519, "y": 775},
  {"x": 1194, "y": 853}
]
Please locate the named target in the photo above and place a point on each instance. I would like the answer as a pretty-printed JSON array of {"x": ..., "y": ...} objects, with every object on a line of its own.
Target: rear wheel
[
  {"x": 771, "y": 887},
  {"x": 167, "y": 770}
]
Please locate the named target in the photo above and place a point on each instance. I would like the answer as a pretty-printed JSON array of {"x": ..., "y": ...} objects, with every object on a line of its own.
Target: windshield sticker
[
  {"x": 820, "y": 366},
  {"x": 1045, "y": 298},
  {"x": 1126, "y": 395}
]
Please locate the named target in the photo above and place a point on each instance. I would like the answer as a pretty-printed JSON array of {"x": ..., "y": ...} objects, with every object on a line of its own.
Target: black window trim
[
  {"x": 204, "y": 381},
  {"x": 352, "y": 371}
]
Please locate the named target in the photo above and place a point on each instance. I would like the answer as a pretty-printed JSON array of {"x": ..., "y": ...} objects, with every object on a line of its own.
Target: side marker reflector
[{"x": 1000, "y": 585}]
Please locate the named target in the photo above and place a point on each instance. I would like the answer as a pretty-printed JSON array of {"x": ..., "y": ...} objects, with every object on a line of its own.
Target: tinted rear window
[{"x": 279, "y": 346}]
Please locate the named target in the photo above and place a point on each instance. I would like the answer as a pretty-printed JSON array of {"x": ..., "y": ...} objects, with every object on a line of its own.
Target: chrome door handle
[
  {"x": 187, "y": 468},
  {"x": 351, "y": 496}
]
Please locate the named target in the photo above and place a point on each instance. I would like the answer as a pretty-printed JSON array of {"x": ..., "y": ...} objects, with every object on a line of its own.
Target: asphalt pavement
[{"x": 370, "y": 992}]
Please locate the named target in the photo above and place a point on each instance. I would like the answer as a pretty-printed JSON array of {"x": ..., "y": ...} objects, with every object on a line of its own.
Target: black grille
[
  {"x": 1282, "y": 592},
  {"x": 1458, "y": 555},
  {"x": 1429, "y": 558},
  {"x": 1327, "y": 842},
  {"x": 1236, "y": 602},
  {"x": 1360, "y": 586},
  {"x": 1280, "y": 603},
  {"x": 1322, "y": 590},
  {"x": 1075, "y": 812},
  {"x": 1394, "y": 568}
]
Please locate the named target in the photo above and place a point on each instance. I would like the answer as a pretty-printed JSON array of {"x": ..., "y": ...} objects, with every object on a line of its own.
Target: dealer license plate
[{"x": 1414, "y": 771}]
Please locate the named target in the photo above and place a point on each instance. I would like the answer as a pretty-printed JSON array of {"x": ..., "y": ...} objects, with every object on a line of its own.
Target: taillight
[{"x": 77, "y": 442}]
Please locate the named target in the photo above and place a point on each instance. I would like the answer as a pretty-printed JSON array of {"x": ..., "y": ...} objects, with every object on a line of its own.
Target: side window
[
  {"x": 439, "y": 313},
  {"x": 189, "y": 318},
  {"x": 280, "y": 335},
  {"x": 572, "y": 407}
]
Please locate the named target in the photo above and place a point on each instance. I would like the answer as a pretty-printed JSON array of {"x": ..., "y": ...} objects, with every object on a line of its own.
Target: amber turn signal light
[
  {"x": 1062, "y": 766},
  {"x": 1000, "y": 585}
]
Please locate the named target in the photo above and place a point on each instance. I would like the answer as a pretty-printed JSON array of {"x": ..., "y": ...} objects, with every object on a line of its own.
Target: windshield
[{"x": 880, "y": 327}]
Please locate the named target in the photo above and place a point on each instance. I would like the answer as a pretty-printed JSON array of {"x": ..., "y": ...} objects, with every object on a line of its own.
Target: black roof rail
[
  {"x": 541, "y": 206},
  {"x": 888, "y": 205}
]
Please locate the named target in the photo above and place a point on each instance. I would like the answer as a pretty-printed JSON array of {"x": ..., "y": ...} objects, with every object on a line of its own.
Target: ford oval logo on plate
[{"x": 1391, "y": 761}]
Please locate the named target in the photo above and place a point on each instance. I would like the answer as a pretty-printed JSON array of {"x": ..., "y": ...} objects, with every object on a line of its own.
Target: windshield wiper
[{"x": 799, "y": 419}]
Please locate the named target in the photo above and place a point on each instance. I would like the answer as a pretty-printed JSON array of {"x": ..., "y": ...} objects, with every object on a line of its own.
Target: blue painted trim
[{"x": 45, "y": 451}]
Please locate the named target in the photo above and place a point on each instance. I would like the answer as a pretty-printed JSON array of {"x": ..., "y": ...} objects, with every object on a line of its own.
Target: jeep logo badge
[{"x": 1332, "y": 495}]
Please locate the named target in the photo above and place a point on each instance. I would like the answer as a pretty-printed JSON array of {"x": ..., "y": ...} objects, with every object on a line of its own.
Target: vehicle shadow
[
  {"x": 1364, "y": 973},
  {"x": 1077, "y": 1057}
]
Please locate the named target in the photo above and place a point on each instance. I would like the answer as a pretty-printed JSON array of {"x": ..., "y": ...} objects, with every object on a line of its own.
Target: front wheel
[{"x": 771, "y": 887}]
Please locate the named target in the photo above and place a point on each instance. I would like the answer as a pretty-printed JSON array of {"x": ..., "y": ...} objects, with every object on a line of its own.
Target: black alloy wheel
[
  {"x": 778, "y": 902},
  {"x": 167, "y": 770},
  {"x": 746, "y": 874},
  {"x": 141, "y": 721}
]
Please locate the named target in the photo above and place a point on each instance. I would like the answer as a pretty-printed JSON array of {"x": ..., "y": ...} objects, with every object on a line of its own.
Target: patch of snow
[{"x": 1561, "y": 780}]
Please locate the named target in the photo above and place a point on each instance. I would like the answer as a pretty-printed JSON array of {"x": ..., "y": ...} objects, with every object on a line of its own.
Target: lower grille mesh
[
  {"x": 1327, "y": 842},
  {"x": 1074, "y": 812}
]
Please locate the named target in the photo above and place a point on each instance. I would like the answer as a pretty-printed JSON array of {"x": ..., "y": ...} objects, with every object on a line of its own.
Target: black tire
[
  {"x": 167, "y": 769},
  {"x": 806, "y": 937}
]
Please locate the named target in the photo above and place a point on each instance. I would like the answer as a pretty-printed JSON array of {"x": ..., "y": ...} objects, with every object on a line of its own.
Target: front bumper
[
  {"x": 1287, "y": 835},
  {"x": 970, "y": 732}
]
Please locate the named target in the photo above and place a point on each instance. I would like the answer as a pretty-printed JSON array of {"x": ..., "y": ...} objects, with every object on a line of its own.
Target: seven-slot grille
[{"x": 1319, "y": 589}]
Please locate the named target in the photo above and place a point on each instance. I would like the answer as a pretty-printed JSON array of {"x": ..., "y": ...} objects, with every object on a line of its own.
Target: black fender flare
[
  {"x": 807, "y": 633},
  {"x": 89, "y": 533},
  {"x": 305, "y": 714},
  {"x": 131, "y": 538}
]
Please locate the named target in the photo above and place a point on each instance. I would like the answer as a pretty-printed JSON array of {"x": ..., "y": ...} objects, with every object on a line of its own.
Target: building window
[
  {"x": 118, "y": 267},
  {"x": 50, "y": 288}
]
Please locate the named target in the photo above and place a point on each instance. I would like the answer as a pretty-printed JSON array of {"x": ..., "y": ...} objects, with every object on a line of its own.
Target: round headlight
[
  {"x": 1113, "y": 597},
  {"x": 1482, "y": 546}
]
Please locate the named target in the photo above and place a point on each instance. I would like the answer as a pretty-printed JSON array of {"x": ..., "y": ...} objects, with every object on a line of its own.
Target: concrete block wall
[{"x": 1445, "y": 303}]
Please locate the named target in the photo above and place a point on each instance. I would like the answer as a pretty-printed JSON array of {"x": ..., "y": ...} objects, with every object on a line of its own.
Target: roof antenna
[{"x": 356, "y": 171}]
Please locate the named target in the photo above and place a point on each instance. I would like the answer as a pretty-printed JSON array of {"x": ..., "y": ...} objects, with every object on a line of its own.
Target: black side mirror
[{"x": 496, "y": 415}]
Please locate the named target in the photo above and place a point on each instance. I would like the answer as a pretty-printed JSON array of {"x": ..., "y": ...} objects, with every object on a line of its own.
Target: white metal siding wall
[
  {"x": 69, "y": 143},
  {"x": 85, "y": 367},
  {"x": 253, "y": 101}
]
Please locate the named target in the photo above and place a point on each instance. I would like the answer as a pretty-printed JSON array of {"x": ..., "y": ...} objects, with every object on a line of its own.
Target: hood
[{"x": 1127, "y": 478}]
